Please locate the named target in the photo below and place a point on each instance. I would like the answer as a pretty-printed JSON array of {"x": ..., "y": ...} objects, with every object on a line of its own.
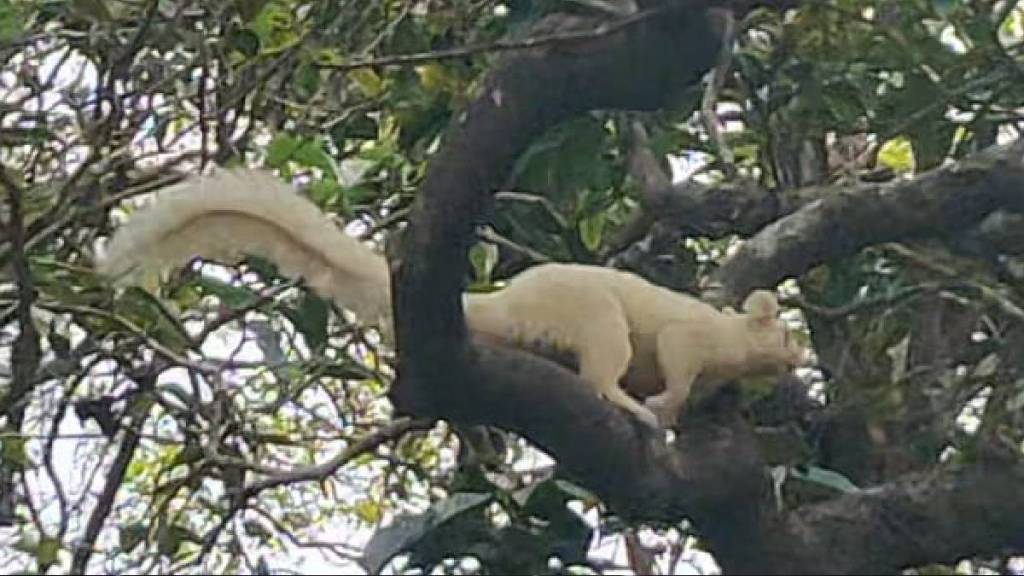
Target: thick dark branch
[
  {"x": 928, "y": 518},
  {"x": 1000, "y": 231},
  {"x": 715, "y": 476},
  {"x": 743, "y": 207},
  {"x": 26, "y": 353},
  {"x": 843, "y": 221}
]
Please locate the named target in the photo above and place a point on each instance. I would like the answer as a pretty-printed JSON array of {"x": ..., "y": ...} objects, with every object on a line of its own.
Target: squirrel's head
[{"x": 771, "y": 340}]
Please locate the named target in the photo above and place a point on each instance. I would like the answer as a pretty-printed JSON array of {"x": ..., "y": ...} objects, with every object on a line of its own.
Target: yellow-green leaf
[
  {"x": 14, "y": 451},
  {"x": 591, "y": 230},
  {"x": 46, "y": 552},
  {"x": 368, "y": 82},
  {"x": 368, "y": 511},
  {"x": 897, "y": 154},
  {"x": 483, "y": 257}
]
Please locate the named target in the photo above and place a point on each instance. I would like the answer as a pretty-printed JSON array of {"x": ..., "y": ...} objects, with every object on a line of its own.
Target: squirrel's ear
[{"x": 761, "y": 304}]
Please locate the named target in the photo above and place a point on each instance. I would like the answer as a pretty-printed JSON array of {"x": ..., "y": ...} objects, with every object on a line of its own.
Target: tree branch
[
  {"x": 846, "y": 220},
  {"x": 329, "y": 467},
  {"x": 139, "y": 409},
  {"x": 922, "y": 519}
]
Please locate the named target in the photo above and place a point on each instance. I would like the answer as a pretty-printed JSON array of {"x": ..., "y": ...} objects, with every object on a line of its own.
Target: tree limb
[{"x": 842, "y": 221}]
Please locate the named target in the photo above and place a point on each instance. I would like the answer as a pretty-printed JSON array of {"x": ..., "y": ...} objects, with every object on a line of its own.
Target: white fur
[
  {"x": 611, "y": 320},
  {"x": 247, "y": 212},
  {"x": 615, "y": 321}
]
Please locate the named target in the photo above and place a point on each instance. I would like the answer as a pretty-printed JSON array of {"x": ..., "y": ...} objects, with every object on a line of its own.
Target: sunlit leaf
[
  {"x": 13, "y": 450},
  {"x": 591, "y": 230},
  {"x": 281, "y": 149},
  {"x": 897, "y": 154},
  {"x": 276, "y": 27},
  {"x": 232, "y": 296},
  {"x": 368, "y": 511},
  {"x": 367, "y": 81},
  {"x": 483, "y": 256}
]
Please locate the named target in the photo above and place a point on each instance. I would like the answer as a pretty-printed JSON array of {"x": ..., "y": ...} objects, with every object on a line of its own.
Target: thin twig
[
  {"x": 499, "y": 46},
  {"x": 129, "y": 326},
  {"x": 139, "y": 409},
  {"x": 322, "y": 471},
  {"x": 490, "y": 235},
  {"x": 711, "y": 96}
]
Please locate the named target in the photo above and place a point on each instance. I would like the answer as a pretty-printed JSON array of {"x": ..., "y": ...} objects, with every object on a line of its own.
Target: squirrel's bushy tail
[{"x": 249, "y": 212}]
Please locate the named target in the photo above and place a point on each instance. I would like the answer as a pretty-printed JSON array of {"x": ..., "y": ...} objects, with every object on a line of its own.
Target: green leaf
[
  {"x": 591, "y": 230},
  {"x": 191, "y": 452},
  {"x": 310, "y": 318},
  {"x": 359, "y": 194},
  {"x": 359, "y": 127},
  {"x": 276, "y": 28},
  {"x": 14, "y": 451},
  {"x": 566, "y": 160},
  {"x": 328, "y": 57},
  {"x": 576, "y": 492},
  {"x": 311, "y": 154},
  {"x": 135, "y": 469},
  {"x": 827, "y": 478},
  {"x": 186, "y": 296},
  {"x": 436, "y": 79},
  {"x": 171, "y": 537},
  {"x": 148, "y": 313},
  {"x": 566, "y": 533},
  {"x": 328, "y": 192},
  {"x": 368, "y": 511},
  {"x": 250, "y": 9},
  {"x": 244, "y": 43},
  {"x": 12, "y": 21},
  {"x": 483, "y": 256},
  {"x": 45, "y": 550},
  {"x": 307, "y": 80},
  {"x": 262, "y": 266},
  {"x": 281, "y": 149},
  {"x": 406, "y": 531},
  {"x": 368, "y": 82},
  {"x": 131, "y": 535},
  {"x": 233, "y": 297},
  {"x": 547, "y": 497}
]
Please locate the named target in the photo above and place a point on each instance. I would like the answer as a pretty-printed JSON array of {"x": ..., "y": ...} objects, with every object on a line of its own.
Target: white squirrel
[{"x": 610, "y": 320}]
